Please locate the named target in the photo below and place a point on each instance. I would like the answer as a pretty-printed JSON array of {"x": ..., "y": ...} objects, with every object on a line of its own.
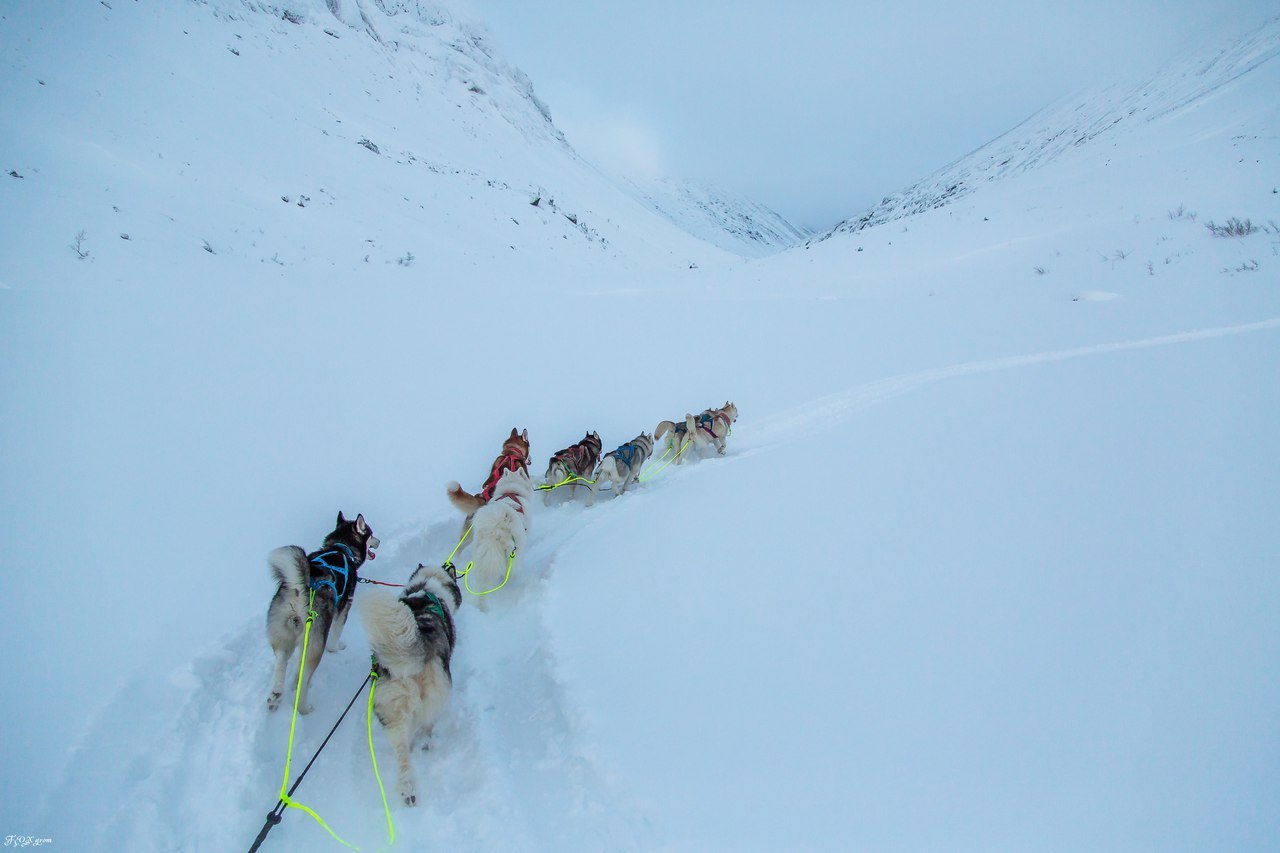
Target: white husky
[{"x": 499, "y": 529}]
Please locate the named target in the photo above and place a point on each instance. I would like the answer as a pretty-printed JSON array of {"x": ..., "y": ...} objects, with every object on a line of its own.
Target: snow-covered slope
[
  {"x": 730, "y": 221},
  {"x": 388, "y": 133},
  {"x": 989, "y": 564},
  {"x": 1096, "y": 120}
]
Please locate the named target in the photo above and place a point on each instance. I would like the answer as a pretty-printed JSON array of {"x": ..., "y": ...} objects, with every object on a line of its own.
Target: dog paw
[
  {"x": 305, "y": 708},
  {"x": 408, "y": 793},
  {"x": 411, "y": 800},
  {"x": 336, "y": 647},
  {"x": 273, "y": 701}
]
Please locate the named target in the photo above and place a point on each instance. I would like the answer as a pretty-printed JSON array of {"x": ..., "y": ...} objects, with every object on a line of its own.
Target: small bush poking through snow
[{"x": 1233, "y": 228}]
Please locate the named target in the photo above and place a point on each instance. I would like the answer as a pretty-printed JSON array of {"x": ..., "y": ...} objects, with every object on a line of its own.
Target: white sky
[{"x": 819, "y": 109}]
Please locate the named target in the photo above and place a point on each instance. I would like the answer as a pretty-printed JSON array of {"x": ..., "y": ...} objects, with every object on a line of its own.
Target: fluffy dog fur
[
  {"x": 514, "y": 455},
  {"x": 714, "y": 430},
  {"x": 620, "y": 467},
  {"x": 413, "y": 638},
  {"x": 577, "y": 460},
  {"x": 297, "y": 573},
  {"x": 500, "y": 527}
]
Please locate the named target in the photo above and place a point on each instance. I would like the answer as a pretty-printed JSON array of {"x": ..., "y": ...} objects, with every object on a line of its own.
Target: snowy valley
[{"x": 989, "y": 563}]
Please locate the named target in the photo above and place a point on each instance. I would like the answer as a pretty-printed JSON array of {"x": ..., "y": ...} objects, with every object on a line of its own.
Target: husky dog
[
  {"x": 713, "y": 427},
  {"x": 412, "y": 638},
  {"x": 621, "y": 466},
  {"x": 499, "y": 529},
  {"x": 514, "y": 456},
  {"x": 679, "y": 435},
  {"x": 577, "y": 460},
  {"x": 331, "y": 573}
]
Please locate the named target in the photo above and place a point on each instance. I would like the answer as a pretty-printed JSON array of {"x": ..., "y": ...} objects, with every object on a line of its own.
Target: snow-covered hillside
[
  {"x": 734, "y": 223},
  {"x": 989, "y": 564},
  {"x": 388, "y": 133},
  {"x": 1096, "y": 119}
]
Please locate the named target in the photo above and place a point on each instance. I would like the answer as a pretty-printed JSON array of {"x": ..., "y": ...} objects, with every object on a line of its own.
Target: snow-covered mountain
[
  {"x": 312, "y": 103},
  {"x": 1094, "y": 119},
  {"x": 989, "y": 563},
  {"x": 728, "y": 220}
]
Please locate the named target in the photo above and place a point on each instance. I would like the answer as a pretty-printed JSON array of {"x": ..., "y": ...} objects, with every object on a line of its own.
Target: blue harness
[
  {"x": 320, "y": 560},
  {"x": 627, "y": 452}
]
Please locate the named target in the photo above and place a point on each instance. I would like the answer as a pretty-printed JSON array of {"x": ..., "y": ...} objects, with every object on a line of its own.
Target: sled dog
[
  {"x": 514, "y": 456},
  {"x": 499, "y": 529},
  {"x": 577, "y": 460},
  {"x": 621, "y": 466},
  {"x": 680, "y": 435},
  {"x": 713, "y": 427},
  {"x": 331, "y": 573},
  {"x": 412, "y": 638}
]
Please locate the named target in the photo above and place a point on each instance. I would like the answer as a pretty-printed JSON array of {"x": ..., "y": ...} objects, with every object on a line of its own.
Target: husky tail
[
  {"x": 463, "y": 500},
  {"x": 290, "y": 568},
  {"x": 393, "y": 633},
  {"x": 664, "y": 427}
]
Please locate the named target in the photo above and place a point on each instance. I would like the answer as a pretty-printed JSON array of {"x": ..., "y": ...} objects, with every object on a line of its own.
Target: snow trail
[
  {"x": 832, "y": 409},
  {"x": 217, "y": 763}
]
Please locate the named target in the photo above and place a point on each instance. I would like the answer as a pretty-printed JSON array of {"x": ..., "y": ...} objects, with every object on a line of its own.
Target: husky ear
[
  {"x": 513, "y": 433},
  {"x": 524, "y": 434},
  {"x": 341, "y": 520},
  {"x": 361, "y": 525}
]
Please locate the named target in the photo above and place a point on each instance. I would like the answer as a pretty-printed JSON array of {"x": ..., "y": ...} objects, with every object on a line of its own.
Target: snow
[{"x": 989, "y": 564}]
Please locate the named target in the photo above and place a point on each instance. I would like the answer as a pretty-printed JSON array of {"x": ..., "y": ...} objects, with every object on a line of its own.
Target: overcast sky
[{"x": 820, "y": 108}]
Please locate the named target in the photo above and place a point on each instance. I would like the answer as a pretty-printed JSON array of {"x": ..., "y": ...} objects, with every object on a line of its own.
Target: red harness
[
  {"x": 575, "y": 458},
  {"x": 515, "y": 500},
  {"x": 509, "y": 461}
]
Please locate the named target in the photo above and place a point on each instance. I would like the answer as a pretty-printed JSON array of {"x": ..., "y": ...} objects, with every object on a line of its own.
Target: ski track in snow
[
  {"x": 827, "y": 411},
  {"x": 224, "y": 752}
]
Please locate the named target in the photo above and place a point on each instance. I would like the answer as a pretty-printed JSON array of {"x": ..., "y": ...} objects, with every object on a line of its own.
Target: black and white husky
[
  {"x": 331, "y": 573},
  {"x": 620, "y": 467},
  {"x": 412, "y": 638}
]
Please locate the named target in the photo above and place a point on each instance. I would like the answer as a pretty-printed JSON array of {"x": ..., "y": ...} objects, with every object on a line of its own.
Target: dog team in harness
[{"x": 412, "y": 636}]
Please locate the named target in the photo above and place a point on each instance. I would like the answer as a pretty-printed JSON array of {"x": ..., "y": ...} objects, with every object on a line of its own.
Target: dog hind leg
[
  {"x": 283, "y": 632},
  {"x": 315, "y": 651},
  {"x": 335, "y": 643},
  {"x": 401, "y": 738},
  {"x": 283, "y": 653}
]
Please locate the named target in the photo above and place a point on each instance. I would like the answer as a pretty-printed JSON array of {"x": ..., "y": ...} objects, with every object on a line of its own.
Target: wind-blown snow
[{"x": 989, "y": 564}]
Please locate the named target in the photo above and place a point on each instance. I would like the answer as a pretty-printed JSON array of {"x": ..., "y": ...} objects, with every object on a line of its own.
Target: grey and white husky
[
  {"x": 332, "y": 573},
  {"x": 412, "y": 638},
  {"x": 575, "y": 461},
  {"x": 621, "y": 466}
]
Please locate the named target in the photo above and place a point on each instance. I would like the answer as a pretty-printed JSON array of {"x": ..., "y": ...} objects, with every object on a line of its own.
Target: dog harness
[
  {"x": 321, "y": 560},
  {"x": 508, "y": 461},
  {"x": 575, "y": 458},
  {"x": 627, "y": 453},
  {"x": 512, "y": 498}
]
